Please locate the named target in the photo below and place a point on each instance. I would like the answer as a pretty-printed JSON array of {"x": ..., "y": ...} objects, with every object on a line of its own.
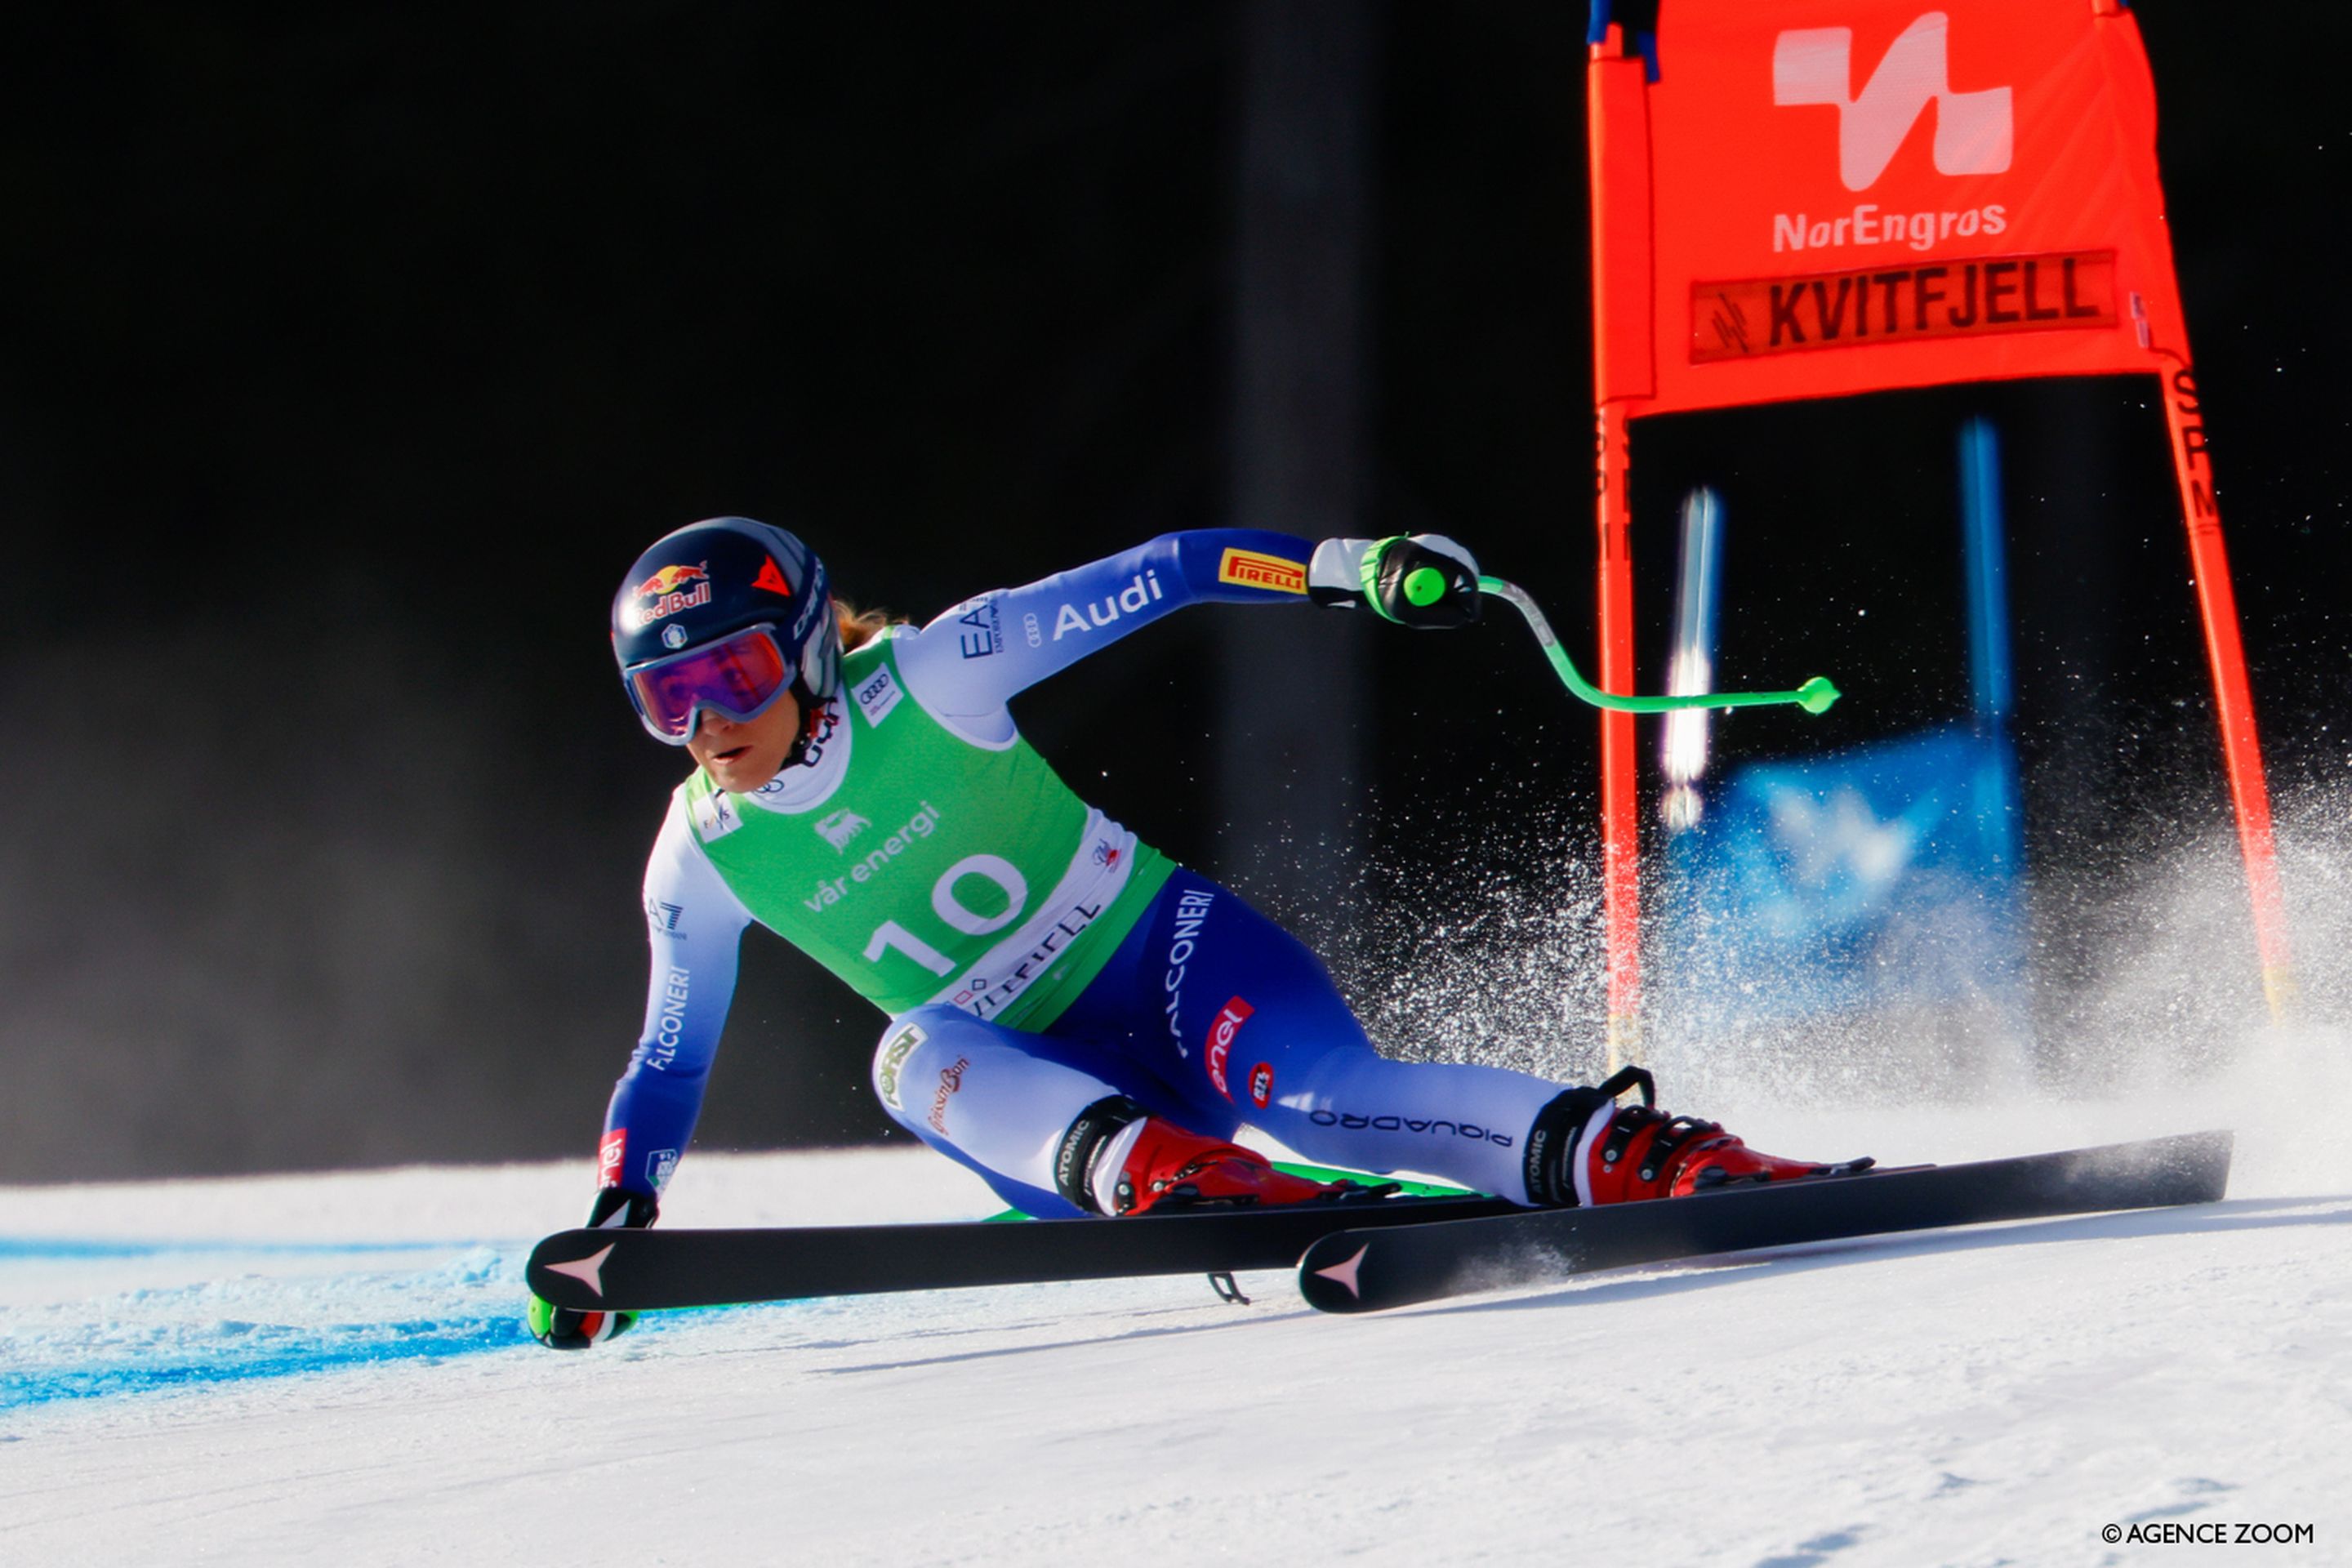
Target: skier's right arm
[{"x": 694, "y": 924}]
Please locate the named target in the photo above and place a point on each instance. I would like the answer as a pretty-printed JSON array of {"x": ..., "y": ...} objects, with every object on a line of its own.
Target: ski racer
[{"x": 1086, "y": 1024}]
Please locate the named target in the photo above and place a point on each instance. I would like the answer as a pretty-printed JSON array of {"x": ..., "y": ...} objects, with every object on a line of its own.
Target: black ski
[
  {"x": 1366, "y": 1270},
  {"x": 636, "y": 1270}
]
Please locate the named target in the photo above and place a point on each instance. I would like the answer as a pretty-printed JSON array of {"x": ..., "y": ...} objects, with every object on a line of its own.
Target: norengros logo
[{"x": 1814, "y": 65}]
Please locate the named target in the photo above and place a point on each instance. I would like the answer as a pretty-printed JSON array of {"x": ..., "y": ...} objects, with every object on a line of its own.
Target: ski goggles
[{"x": 739, "y": 675}]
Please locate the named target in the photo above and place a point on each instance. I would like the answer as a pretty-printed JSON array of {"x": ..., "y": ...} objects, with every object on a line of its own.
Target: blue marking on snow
[
  {"x": 236, "y": 1351},
  {"x": 231, "y": 1331}
]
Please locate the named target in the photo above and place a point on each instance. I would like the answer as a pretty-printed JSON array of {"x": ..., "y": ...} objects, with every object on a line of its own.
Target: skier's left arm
[{"x": 974, "y": 658}]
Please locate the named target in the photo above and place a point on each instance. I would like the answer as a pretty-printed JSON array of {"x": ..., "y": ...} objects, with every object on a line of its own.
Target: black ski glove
[
  {"x": 1425, "y": 580},
  {"x": 566, "y": 1329}
]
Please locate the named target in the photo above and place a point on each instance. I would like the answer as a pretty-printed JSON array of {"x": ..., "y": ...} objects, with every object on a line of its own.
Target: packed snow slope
[{"x": 331, "y": 1369}]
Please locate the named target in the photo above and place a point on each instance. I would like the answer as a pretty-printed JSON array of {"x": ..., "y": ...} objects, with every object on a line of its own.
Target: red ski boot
[
  {"x": 1617, "y": 1154},
  {"x": 1133, "y": 1163}
]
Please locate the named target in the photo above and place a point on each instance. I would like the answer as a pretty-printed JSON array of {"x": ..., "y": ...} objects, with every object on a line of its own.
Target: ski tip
[
  {"x": 2198, "y": 1163},
  {"x": 567, "y": 1268},
  {"x": 1330, "y": 1275}
]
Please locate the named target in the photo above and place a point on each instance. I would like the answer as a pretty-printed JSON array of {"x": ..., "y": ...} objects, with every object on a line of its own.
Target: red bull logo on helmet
[
  {"x": 668, "y": 590},
  {"x": 669, "y": 579}
]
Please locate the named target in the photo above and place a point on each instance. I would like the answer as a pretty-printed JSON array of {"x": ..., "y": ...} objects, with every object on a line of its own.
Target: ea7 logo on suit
[{"x": 1974, "y": 132}]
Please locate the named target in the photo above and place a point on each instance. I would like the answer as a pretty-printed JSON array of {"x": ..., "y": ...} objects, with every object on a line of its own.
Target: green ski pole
[{"x": 1814, "y": 696}]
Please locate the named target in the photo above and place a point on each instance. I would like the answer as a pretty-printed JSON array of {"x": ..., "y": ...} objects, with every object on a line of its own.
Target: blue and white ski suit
[{"x": 1192, "y": 1004}]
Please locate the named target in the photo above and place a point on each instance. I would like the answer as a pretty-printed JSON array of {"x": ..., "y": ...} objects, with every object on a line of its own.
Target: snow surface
[{"x": 307, "y": 1369}]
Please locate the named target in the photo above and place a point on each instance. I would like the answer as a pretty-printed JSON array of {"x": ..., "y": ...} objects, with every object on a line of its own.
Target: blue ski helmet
[{"x": 726, "y": 613}]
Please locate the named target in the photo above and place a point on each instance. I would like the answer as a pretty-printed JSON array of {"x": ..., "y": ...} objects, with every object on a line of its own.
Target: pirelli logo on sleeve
[
  {"x": 1902, "y": 304},
  {"x": 1251, "y": 570}
]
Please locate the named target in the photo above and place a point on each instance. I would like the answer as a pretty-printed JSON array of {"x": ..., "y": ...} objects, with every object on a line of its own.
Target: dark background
[{"x": 347, "y": 357}]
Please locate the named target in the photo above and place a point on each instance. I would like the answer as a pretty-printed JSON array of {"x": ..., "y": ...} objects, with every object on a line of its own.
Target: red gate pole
[
  {"x": 2234, "y": 698},
  {"x": 1620, "y": 808},
  {"x": 1623, "y": 373}
]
